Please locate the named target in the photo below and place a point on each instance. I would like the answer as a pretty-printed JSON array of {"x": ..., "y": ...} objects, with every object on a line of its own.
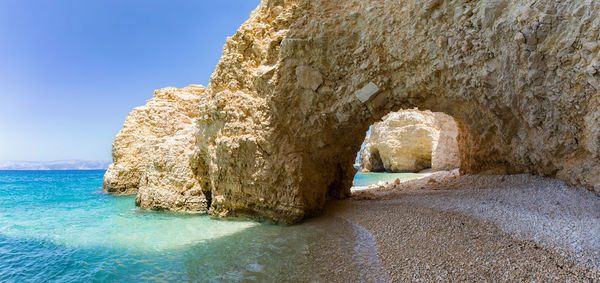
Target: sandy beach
[{"x": 500, "y": 228}]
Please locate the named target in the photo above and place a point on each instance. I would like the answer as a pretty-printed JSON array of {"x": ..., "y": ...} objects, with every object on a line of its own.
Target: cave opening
[
  {"x": 407, "y": 144},
  {"x": 412, "y": 150}
]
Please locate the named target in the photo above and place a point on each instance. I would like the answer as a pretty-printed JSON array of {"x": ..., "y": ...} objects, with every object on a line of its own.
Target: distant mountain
[{"x": 54, "y": 165}]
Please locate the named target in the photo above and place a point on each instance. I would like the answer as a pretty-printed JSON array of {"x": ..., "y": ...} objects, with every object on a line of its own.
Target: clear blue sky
[{"x": 71, "y": 70}]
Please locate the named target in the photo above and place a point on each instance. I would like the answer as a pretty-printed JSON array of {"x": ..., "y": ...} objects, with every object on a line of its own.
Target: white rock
[
  {"x": 411, "y": 140},
  {"x": 366, "y": 92}
]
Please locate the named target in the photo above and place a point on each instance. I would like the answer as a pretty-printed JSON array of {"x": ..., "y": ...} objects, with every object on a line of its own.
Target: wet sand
[{"x": 499, "y": 228}]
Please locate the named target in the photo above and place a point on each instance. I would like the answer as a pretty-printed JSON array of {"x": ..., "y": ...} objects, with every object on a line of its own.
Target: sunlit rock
[
  {"x": 411, "y": 141},
  {"x": 152, "y": 153},
  {"x": 514, "y": 74},
  {"x": 445, "y": 154}
]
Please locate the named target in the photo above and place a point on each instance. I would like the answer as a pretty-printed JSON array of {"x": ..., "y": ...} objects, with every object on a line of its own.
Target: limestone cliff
[
  {"x": 301, "y": 81},
  {"x": 411, "y": 140},
  {"x": 445, "y": 154},
  {"x": 403, "y": 141},
  {"x": 152, "y": 153}
]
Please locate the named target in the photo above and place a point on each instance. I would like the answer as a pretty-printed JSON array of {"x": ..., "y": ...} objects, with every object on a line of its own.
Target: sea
[{"x": 60, "y": 226}]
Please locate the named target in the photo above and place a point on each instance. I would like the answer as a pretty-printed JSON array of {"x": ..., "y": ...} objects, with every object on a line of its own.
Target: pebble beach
[{"x": 500, "y": 228}]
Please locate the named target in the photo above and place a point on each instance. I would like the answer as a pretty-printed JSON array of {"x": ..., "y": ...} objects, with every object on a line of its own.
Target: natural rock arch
[
  {"x": 411, "y": 141},
  {"x": 299, "y": 84}
]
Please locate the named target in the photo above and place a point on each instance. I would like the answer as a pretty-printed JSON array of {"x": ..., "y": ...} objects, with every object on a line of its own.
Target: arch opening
[
  {"x": 410, "y": 141},
  {"x": 402, "y": 141},
  {"x": 404, "y": 145}
]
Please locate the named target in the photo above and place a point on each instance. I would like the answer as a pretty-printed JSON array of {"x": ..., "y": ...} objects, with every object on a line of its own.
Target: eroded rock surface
[
  {"x": 152, "y": 153},
  {"x": 445, "y": 153},
  {"x": 275, "y": 139},
  {"x": 410, "y": 141},
  {"x": 407, "y": 140}
]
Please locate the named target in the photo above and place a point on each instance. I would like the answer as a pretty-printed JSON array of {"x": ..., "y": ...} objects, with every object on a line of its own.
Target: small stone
[
  {"x": 519, "y": 37},
  {"x": 366, "y": 92},
  {"x": 265, "y": 70},
  {"x": 308, "y": 77}
]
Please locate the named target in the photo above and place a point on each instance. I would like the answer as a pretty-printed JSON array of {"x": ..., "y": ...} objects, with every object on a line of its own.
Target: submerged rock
[
  {"x": 411, "y": 140},
  {"x": 274, "y": 141}
]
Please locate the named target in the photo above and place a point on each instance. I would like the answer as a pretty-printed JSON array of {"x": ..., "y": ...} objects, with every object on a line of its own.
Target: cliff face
[
  {"x": 445, "y": 154},
  {"x": 411, "y": 140},
  {"x": 152, "y": 153},
  {"x": 300, "y": 83}
]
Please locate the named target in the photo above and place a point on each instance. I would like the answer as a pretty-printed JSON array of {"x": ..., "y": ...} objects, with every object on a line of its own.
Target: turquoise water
[
  {"x": 59, "y": 226},
  {"x": 365, "y": 179}
]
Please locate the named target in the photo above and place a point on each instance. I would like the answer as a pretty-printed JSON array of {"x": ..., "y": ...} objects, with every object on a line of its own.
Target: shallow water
[
  {"x": 60, "y": 226},
  {"x": 370, "y": 178}
]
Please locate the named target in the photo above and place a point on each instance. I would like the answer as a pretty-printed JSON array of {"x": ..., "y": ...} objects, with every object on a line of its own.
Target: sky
[{"x": 71, "y": 70}]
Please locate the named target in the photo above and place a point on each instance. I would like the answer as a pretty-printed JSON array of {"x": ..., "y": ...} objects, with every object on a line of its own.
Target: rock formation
[
  {"x": 411, "y": 140},
  {"x": 152, "y": 153},
  {"x": 302, "y": 80},
  {"x": 445, "y": 155}
]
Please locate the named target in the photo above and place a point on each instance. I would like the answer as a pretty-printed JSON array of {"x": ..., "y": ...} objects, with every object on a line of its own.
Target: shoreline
[{"x": 478, "y": 227}]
